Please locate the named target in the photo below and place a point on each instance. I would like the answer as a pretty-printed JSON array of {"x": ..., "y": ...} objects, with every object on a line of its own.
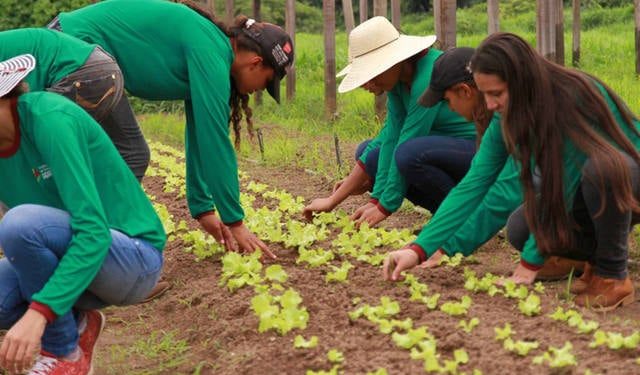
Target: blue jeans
[
  {"x": 431, "y": 166},
  {"x": 34, "y": 239}
]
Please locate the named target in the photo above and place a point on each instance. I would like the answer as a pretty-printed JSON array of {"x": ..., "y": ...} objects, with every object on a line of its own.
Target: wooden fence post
[
  {"x": 637, "y": 17},
  {"x": 380, "y": 101},
  {"x": 575, "y": 55},
  {"x": 395, "y": 13},
  {"x": 329, "y": 16},
  {"x": 363, "y": 10},
  {"x": 228, "y": 6},
  {"x": 349, "y": 22},
  {"x": 444, "y": 14},
  {"x": 493, "y": 16},
  {"x": 290, "y": 26},
  {"x": 559, "y": 27},
  {"x": 545, "y": 29}
]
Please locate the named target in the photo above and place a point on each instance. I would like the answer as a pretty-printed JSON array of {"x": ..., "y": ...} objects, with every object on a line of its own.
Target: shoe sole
[
  {"x": 103, "y": 322},
  {"x": 157, "y": 294},
  {"x": 631, "y": 298}
]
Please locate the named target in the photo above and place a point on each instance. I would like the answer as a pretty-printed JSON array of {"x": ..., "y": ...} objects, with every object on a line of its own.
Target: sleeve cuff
[
  {"x": 234, "y": 224},
  {"x": 382, "y": 209},
  {"x": 203, "y": 214},
  {"x": 373, "y": 201},
  {"x": 360, "y": 164},
  {"x": 44, "y": 310},
  {"x": 529, "y": 266},
  {"x": 422, "y": 256}
]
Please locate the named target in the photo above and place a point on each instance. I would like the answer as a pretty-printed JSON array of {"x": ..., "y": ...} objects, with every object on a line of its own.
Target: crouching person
[{"x": 80, "y": 233}]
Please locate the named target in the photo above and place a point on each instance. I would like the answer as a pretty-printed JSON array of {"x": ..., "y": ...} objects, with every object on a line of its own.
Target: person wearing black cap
[
  {"x": 459, "y": 231},
  {"x": 170, "y": 51}
]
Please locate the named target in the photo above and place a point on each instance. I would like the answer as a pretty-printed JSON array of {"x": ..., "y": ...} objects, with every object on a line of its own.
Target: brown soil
[{"x": 221, "y": 329}]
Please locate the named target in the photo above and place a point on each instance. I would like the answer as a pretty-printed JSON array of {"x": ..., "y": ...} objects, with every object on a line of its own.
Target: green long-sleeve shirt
[
  {"x": 57, "y": 55},
  {"x": 406, "y": 119},
  {"x": 169, "y": 52},
  {"x": 465, "y": 230},
  {"x": 491, "y": 160},
  {"x": 66, "y": 161}
]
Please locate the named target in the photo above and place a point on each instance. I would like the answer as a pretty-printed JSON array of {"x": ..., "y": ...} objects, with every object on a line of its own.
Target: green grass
[{"x": 607, "y": 51}]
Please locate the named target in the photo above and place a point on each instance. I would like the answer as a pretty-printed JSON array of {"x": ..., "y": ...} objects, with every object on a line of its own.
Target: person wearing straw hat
[
  {"x": 462, "y": 231},
  {"x": 581, "y": 186},
  {"x": 171, "y": 51},
  {"x": 80, "y": 233},
  {"x": 420, "y": 153}
]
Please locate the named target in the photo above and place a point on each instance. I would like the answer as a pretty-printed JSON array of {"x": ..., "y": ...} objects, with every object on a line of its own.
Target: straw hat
[
  {"x": 13, "y": 71},
  {"x": 375, "y": 46}
]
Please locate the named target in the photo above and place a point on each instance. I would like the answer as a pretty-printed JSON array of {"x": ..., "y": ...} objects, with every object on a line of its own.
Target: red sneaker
[
  {"x": 48, "y": 364},
  {"x": 90, "y": 329}
]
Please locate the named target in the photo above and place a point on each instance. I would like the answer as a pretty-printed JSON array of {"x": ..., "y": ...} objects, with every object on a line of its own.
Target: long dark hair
[
  {"x": 548, "y": 103},
  {"x": 238, "y": 102}
]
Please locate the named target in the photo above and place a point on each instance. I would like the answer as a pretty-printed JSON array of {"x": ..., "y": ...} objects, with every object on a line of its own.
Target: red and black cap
[
  {"x": 449, "y": 68},
  {"x": 277, "y": 51}
]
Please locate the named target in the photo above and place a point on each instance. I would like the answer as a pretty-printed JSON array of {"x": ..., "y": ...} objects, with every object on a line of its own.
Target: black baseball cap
[
  {"x": 450, "y": 68},
  {"x": 277, "y": 50}
]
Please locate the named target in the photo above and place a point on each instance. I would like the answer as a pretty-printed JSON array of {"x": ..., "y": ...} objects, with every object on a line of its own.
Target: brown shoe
[
  {"x": 558, "y": 268},
  {"x": 157, "y": 291},
  {"x": 580, "y": 284},
  {"x": 606, "y": 294}
]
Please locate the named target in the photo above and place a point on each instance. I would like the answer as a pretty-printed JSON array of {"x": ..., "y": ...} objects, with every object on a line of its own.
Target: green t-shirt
[
  {"x": 169, "y": 52},
  {"x": 407, "y": 119},
  {"x": 66, "y": 161},
  {"x": 491, "y": 160},
  {"x": 57, "y": 55}
]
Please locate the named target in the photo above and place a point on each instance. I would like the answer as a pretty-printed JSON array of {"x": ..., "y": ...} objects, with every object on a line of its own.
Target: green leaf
[
  {"x": 300, "y": 343},
  {"x": 530, "y": 306},
  {"x": 275, "y": 272},
  {"x": 503, "y": 333},
  {"x": 335, "y": 356}
]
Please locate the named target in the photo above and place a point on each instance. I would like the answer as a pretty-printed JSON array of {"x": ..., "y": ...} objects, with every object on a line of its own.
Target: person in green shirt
[
  {"x": 82, "y": 72},
  {"x": 80, "y": 233},
  {"x": 580, "y": 186},
  {"x": 453, "y": 82},
  {"x": 170, "y": 51},
  {"x": 420, "y": 153}
]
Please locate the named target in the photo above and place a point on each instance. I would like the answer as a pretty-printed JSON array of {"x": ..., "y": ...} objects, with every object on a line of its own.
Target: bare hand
[
  {"x": 398, "y": 261},
  {"x": 434, "y": 260},
  {"x": 371, "y": 216},
  {"x": 358, "y": 213},
  {"x": 22, "y": 342},
  {"x": 218, "y": 230},
  {"x": 318, "y": 205},
  {"x": 523, "y": 275},
  {"x": 248, "y": 241}
]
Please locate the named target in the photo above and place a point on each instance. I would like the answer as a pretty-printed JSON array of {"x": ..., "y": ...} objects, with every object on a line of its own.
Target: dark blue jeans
[
  {"x": 431, "y": 166},
  {"x": 601, "y": 238},
  {"x": 98, "y": 87}
]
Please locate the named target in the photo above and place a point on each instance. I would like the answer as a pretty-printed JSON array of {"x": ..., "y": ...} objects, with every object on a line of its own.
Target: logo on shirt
[{"x": 42, "y": 172}]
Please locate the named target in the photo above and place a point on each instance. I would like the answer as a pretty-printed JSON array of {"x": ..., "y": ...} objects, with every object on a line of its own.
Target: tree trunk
[
  {"x": 349, "y": 22},
  {"x": 229, "y": 11},
  {"x": 257, "y": 97},
  {"x": 380, "y": 101},
  {"x": 395, "y": 13},
  {"x": 290, "y": 26},
  {"x": 329, "y": 16},
  {"x": 444, "y": 12},
  {"x": 637, "y": 17},
  {"x": 559, "y": 29},
  {"x": 575, "y": 56},
  {"x": 493, "y": 15},
  {"x": 211, "y": 5},
  {"x": 364, "y": 10}
]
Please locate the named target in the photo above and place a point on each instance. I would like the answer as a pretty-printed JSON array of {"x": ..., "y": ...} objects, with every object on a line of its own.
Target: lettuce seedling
[
  {"x": 530, "y": 306},
  {"x": 557, "y": 358},
  {"x": 339, "y": 274},
  {"x": 470, "y": 325},
  {"x": 457, "y": 308},
  {"x": 300, "y": 343},
  {"x": 335, "y": 356}
]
